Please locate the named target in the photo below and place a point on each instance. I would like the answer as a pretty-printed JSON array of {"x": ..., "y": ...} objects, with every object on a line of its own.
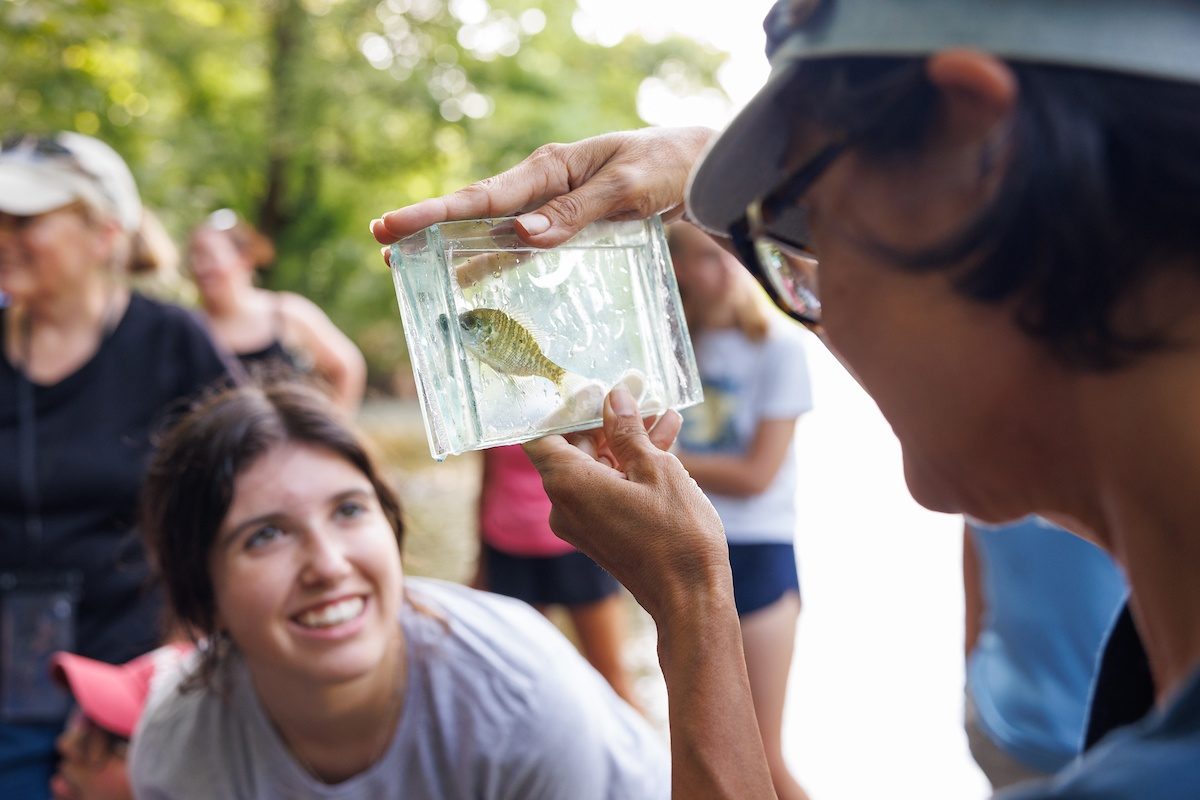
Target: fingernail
[
  {"x": 374, "y": 222},
  {"x": 622, "y": 401},
  {"x": 533, "y": 224}
]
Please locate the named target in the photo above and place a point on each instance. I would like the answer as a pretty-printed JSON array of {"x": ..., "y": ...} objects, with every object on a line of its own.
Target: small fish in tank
[{"x": 507, "y": 346}]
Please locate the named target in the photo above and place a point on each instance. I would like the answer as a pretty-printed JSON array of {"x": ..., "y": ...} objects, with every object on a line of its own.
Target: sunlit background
[{"x": 312, "y": 116}]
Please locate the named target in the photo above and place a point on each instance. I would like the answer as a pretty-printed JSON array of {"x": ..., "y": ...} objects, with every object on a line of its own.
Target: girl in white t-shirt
[
  {"x": 325, "y": 672},
  {"x": 737, "y": 445}
]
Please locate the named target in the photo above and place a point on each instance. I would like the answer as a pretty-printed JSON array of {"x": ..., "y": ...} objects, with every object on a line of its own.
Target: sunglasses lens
[
  {"x": 37, "y": 145},
  {"x": 793, "y": 276}
]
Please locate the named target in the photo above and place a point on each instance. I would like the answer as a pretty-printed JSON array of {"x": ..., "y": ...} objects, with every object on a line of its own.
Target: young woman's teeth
[{"x": 332, "y": 614}]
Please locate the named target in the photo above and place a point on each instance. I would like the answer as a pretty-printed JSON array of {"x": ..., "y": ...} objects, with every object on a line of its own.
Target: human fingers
[
  {"x": 475, "y": 268},
  {"x": 539, "y": 176},
  {"x": 664, "y": 430},
  {"x": 607, "y": 517},
  {"x": 556, "y": 453},
  {"x": 629, "y": 175},
  {"x": 560, "y": 176},
  {"x": 586, "y": 441},
  {"x": 626, "y": 437},
  {"x": 626, "y": 175}
]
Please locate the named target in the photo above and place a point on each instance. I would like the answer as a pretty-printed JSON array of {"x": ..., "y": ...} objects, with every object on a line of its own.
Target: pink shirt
[{"x": 514, "y": 512}]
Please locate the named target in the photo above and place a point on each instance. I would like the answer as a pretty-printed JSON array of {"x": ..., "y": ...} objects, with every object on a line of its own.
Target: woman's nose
[{"x": 326, "y": 559}]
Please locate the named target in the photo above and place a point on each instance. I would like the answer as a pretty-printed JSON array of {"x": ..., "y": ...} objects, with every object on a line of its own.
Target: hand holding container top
[{"x": 509, "y": 342}]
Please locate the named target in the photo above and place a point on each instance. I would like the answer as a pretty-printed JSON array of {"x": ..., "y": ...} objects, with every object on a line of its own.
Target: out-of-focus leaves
[{"x": 310, "y": 117}]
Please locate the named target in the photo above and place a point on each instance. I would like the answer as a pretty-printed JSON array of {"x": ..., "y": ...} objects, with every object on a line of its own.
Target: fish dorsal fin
[{"x": 525, "y": 320}]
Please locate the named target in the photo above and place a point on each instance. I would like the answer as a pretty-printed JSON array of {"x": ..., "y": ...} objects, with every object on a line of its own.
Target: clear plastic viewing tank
[{"x": 509, "y": 343}]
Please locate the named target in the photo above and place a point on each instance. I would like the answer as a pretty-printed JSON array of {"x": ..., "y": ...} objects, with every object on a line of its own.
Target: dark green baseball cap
[{"x": 1150, "y": 38}]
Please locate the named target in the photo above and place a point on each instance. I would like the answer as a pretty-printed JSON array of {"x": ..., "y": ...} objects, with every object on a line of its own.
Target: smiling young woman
[{"x": 323, "y": 670}]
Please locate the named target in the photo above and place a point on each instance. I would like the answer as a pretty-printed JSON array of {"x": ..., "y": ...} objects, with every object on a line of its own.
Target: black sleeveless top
[{"x": 275, "y": 359}]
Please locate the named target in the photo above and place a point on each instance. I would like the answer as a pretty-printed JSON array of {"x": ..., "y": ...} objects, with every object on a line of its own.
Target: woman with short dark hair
[{"x": 1002, "y": 201}]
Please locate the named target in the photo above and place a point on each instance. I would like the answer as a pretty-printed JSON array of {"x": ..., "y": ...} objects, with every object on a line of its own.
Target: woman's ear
[{"x": 978, "y": 96}]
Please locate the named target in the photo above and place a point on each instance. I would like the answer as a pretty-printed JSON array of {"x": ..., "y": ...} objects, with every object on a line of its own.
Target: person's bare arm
[
  {"x": 972, "y": 593},
  {"x": 479, "y": 579},
  {"x": 748, "y": 473},
  {"x": 634, "y": 509},
  {"x": 335, "y": 358},
  {"x": 563, "y": 187}
]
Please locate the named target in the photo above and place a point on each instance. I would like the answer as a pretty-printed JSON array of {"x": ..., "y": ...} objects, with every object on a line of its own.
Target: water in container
[{"x": 509, "y": 342}]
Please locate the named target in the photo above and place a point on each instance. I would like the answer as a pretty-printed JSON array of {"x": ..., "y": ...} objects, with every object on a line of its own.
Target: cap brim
[
  {"x": 746, "y": 159},
  {"x": 26, "y": 190},
  {"x": 109, "y": 695},
  {"x": 1151, "y": 39}
]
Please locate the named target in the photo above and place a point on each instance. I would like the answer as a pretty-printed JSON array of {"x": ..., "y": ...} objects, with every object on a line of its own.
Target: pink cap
[{"x": 110, "y": 695}]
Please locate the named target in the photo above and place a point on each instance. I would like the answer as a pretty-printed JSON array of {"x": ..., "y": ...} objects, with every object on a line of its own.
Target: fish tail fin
[{"x": 569, "y": 383}]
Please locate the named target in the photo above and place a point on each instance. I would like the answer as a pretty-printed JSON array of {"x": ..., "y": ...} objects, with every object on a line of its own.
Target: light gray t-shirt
[
  {"x": 745, "y": 383},
  {"x": 498, "y": 705}
]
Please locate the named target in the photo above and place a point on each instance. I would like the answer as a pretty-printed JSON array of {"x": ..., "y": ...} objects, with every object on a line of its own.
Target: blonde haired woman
[{"x": 88, "y": 371}]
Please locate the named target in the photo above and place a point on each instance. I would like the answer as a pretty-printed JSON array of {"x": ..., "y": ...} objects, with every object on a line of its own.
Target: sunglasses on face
[
  {"x": 15, "y": 223},
  {"x": 27, "y": 147},
  {"x": 774, "y": 242},
  {"x": 36, "y": 146}
]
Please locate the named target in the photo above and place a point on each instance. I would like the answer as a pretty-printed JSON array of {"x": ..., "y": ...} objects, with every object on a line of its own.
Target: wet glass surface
[{"x": 509, "y": 342}]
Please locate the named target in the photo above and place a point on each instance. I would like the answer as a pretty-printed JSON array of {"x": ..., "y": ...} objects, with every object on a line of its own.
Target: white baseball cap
[
  {"x": 1148, "y": 38},
  {"x": 41, "y": 173}
]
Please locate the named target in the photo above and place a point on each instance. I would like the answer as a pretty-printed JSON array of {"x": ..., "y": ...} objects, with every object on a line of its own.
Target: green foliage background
[{"x": 310, "y": 117}]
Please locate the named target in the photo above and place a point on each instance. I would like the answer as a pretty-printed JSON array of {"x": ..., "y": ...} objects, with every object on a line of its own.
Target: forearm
[
  {"x": 973, "y": 608},
  {"x": 336, "y": 359},
  {"x": 733, "y": 476},
  {"x": 349, "y": 383},
  {"x": 747, "y": 473},
  {"x": 716, "y": 750}
]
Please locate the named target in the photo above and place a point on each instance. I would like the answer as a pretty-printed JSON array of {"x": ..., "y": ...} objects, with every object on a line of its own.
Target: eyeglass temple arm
[{"x": 795, "y": 186}]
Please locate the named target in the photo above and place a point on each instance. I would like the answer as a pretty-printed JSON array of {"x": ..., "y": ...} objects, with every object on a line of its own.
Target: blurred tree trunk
[{"x": 287, "y": 31}]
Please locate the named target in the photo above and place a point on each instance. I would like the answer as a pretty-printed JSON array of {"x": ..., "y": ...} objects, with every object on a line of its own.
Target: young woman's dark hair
[
  {"x": 1100, "y": 172},
  {"x": 191, "y": 480}
]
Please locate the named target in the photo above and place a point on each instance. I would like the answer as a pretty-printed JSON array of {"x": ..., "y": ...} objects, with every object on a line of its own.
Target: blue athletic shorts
[
  {"x": 568, "y": 580},
  {"x": 762, "y": 573},
  {"x": 27, "y": 758}
]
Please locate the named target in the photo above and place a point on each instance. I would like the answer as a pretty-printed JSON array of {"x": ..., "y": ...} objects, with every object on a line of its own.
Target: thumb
[{"x": 625, "y": 431}]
